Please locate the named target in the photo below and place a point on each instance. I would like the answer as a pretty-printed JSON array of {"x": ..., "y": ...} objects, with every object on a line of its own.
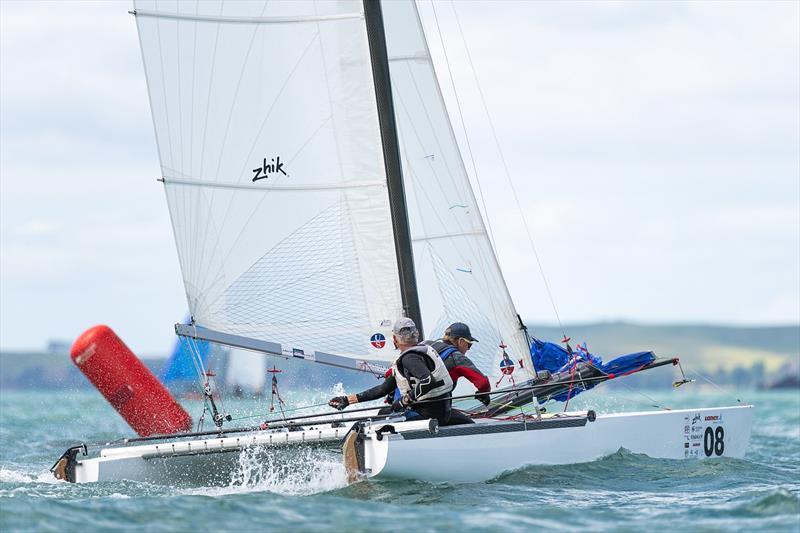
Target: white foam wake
[{"x": 16, "y": 476}]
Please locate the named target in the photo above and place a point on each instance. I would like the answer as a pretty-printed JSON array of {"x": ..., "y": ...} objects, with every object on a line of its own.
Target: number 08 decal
[{"x": 713, "y": 441}]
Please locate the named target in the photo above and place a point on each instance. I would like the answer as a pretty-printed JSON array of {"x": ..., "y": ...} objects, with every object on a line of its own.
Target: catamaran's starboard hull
[
  {"x": 420, "y": 450},
  {"x": 484, "y": 451}
]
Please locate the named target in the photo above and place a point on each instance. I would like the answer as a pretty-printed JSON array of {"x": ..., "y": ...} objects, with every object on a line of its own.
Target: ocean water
[{"x": 308, "y": 492}]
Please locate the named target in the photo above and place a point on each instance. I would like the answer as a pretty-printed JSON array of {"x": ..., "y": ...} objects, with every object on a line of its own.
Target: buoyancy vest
[
  {"x": 442, "y": 382},
  {"x": 444, "y": 349}
]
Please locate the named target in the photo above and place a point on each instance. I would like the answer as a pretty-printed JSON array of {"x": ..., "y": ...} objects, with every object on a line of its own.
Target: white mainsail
[
  {"x": 270, "y": 150},
  {"x": 269, "y": 139}
]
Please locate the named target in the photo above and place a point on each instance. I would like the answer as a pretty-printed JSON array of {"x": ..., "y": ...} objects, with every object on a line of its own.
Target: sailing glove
[
  {"x": 339, "y": 402},
  {"x": 483, "y": 398},
  {"x": 401, "y": 404}
]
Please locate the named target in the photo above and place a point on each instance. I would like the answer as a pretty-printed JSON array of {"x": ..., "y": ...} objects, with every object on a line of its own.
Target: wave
[
  {"x": 773, "y": 502},
  {"x": 627, "y": 470},
  {"x": 20, "y": 477}
]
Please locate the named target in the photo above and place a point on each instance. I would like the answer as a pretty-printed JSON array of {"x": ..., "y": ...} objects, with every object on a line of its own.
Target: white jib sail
[
  {"x": 457, "y": 272},
  {"x": 267, "y": 130}
]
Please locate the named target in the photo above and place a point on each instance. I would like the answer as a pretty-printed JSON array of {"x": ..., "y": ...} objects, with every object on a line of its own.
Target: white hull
[
  {"x": 208, "y": 461},
  {"x": 467, "y": 453},
  {"x": 479, "y": 457}
]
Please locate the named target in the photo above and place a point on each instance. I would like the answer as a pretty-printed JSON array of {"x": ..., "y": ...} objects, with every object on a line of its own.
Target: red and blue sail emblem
[
  {"x": 378, "y": 340},
  {"x": 506, "y": 365}
]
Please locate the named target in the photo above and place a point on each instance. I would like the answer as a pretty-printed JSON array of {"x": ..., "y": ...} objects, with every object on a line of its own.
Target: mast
[{"x": 391, "y": 156}]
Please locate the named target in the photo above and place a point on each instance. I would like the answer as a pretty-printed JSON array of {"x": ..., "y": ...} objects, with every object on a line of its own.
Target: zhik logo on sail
[{"x": 268, "y": 169}]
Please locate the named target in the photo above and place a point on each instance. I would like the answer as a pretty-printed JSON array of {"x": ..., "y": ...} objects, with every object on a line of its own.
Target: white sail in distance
[
  {"x": 246, "y": 371},
  {"x": 458, "y": 275},
  {"x": 268, "y": 135}
]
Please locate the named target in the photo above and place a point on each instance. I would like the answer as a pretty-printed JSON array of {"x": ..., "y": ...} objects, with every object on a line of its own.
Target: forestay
[
  {"x": 268, "y": 136},
  {"x": 458, "y": 276}
]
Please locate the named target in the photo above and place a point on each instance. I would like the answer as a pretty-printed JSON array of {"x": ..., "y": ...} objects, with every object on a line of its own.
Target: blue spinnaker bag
[
  {"x": 627, "y": 363},
  {"x": 552, "y": 357}
]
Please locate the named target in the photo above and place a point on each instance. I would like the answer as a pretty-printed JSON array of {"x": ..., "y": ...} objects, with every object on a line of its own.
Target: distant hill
[
  {"x": 703, "y": 347},
  {"x": 36, "y": 370},
  {"x": 739, "y": 356}
]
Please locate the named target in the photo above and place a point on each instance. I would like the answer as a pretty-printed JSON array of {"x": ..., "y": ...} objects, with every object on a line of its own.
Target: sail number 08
[{"x": 713, "y": 441}]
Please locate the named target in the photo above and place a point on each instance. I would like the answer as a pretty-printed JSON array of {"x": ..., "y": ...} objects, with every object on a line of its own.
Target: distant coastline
[{"x": 735, "y": 356}]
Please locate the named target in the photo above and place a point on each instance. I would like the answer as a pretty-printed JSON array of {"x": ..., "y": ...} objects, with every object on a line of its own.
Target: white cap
[{"x": 406, "y": 330}]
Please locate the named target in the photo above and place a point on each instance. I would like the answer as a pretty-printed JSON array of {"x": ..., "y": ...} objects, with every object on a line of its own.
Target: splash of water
[
  {"x": 17, "y": 476},
  {"x": 300, "y": 471}
]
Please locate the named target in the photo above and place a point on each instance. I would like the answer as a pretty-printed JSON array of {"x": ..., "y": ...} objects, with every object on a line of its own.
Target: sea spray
[{"x": 297, "y": 471}]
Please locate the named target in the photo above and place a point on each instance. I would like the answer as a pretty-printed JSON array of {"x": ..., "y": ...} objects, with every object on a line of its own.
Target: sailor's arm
[
  {"x": 464, "y": 367},
  {"x": 387, "y": 387},
  {"x": 378, "y": 391}
]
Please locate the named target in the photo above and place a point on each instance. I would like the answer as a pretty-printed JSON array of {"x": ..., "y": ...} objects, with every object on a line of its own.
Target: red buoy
[{"x": 128, "y": 384}]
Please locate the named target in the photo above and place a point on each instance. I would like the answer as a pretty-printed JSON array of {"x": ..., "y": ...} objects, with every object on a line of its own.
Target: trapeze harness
[
  {"x": 439, "y": 373},
  {"x": 442, "y": 383}
]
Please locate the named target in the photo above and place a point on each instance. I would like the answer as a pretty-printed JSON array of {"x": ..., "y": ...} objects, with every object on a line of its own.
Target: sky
[{"x": 654, "y": 146}]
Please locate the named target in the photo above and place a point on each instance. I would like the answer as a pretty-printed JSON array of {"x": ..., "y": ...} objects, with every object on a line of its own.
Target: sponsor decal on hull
[{"x": 703, "y": 436}]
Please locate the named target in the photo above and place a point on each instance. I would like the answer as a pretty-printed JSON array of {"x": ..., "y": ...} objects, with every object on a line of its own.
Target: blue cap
[{"x": 460, "y": 330}]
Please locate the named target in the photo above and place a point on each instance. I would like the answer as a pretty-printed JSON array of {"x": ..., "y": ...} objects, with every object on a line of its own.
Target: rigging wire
[
  {"x": 187, "y": 342},
  {"x": 292, "y": 410},
  {"x": 463, "y": 126},
  {"x": 701, "y": 376},
  {"x": 510, "y": 181},
  {"x": 482, "y": 197},
  {"x": 506, "y": 171}
]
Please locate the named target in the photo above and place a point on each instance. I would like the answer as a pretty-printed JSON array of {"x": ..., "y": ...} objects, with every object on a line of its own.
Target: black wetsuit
[{"x": 415, "y": 365}]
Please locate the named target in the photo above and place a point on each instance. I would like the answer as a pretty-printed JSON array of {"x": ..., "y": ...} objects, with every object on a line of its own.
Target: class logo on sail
[
  {"x": 378, "y": 340},
  {"x": 267, "y": 170}
]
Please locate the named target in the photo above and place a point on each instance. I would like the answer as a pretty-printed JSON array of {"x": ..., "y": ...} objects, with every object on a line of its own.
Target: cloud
[{"x": 654, "y": 147}]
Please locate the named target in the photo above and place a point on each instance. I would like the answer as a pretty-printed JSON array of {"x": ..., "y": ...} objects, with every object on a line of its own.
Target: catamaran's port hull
[{"x": 420, "y": 450}]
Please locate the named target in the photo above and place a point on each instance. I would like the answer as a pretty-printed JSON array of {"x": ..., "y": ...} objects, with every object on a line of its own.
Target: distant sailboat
[
  {"x": 317, "y": 193},
  {"x": 245, "y": 373},
  {"x": 180, "y": 372}
]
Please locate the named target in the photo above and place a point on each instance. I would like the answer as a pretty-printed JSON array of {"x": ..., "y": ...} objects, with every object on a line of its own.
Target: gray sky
[{"x": 655, "y": 147}]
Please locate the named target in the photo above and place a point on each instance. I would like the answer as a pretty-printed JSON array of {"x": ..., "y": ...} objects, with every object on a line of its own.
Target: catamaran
[{"x": 317, "y": 193}]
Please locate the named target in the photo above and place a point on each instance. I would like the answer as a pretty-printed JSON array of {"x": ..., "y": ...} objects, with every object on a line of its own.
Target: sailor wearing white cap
[{"x": 418, "y": 372}]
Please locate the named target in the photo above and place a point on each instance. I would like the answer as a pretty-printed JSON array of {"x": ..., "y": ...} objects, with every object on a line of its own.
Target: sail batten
[
  {"x": 411, "y": 57},
  {"x": 286, "y": 187},
  {"x": 244, "y": 20},
  {"x": 451, "y": 235}
]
